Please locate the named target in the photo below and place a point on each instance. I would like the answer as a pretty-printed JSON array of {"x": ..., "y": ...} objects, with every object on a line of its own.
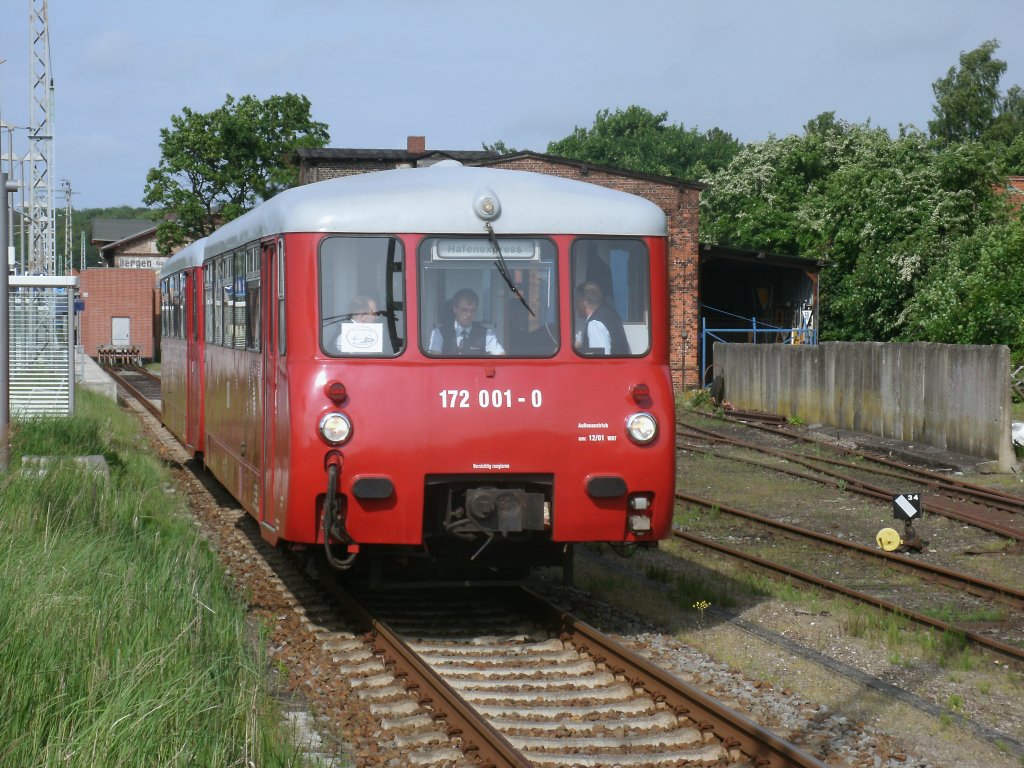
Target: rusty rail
[
  {"x": 1004, "y": 649},
  {"x": 941, "y": 505},
  {"x": 972, "y": 584}
]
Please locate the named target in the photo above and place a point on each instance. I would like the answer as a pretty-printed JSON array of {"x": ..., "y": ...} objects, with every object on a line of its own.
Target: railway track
[
  {"x": 469, "y": 678},
  {"x": 874, "y": 477},
  {"x": 139, "y": 383},
  {"x": 548, "y": 689},
  {"x": 956, "y": 583}
]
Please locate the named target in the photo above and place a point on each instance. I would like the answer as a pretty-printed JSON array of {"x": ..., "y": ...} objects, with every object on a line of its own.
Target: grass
[{"x": 120, "y": 642}]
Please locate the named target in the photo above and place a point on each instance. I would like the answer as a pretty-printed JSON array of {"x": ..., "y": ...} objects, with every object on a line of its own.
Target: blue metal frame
[{"x": 804, "y": 334}]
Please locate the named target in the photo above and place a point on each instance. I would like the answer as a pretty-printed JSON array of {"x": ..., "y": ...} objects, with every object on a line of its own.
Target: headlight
[
  {"x": 641, "y": 427},
  {"x": 335, "y": 428}
]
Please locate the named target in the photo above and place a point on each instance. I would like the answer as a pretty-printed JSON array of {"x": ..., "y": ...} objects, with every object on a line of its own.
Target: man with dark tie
[{"x": 463, "y": 335}]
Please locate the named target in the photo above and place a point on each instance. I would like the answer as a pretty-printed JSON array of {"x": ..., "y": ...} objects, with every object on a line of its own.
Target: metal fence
[
  {"x": 746, "y": 329},
  {"x": 42, "y": 345}
]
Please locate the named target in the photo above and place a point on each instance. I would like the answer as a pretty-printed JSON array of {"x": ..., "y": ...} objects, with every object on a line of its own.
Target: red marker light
[
  {"x": 641, "y": 394},
  {"x": 335, "y": 392}
]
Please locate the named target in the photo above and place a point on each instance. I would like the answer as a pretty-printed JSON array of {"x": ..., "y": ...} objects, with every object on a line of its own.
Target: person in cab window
[
  {"x": 601, "y": 332},
  {"x": 463, "y": 335},
  {"x": 362, "y": 309}
]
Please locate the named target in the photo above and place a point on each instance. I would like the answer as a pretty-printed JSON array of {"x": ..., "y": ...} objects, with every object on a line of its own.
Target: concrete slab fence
[{"x": 950, "y": 396}]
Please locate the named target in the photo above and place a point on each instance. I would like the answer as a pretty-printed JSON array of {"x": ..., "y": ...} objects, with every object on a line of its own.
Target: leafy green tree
[
  {"x": 500, "y": 148},
  {"x": 1011, "y": 163},
  {"x": 216, "y": 165},
  {"x": 974, "y": 295},
  {"x": 969, "y": 105},
  {"x": 758, "y": 200},
  {"x": 637, "y": 139}
]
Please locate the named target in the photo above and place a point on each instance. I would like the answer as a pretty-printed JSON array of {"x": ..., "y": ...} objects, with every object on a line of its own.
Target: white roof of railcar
[
  {"x": 439, "y": 200},
  {"x": 189, "y": 256}
]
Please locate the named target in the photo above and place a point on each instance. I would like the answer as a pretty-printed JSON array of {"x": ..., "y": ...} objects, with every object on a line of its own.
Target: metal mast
[
  {"x": 43, "y": 246},
  {"x": 69, "y": 261}
]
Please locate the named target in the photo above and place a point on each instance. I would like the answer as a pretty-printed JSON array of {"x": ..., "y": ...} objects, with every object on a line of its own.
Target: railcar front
[
  {"x": 464, "y": 368},
  {"x": 181, "y": 345}
]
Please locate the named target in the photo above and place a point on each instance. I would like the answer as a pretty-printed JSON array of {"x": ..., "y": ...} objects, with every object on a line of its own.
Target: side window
[
  {"x": 176, "y": 305},
  {"x": 239, "y": 309},
  {"x": 164, "y": 329},
  {"x": 252, "y": 299},
  {"x": 611, "y": 298},
  {"x": 227, "y": 303},
  {"x": 208, "y": 298},
  {"x": 362, "y": 296}
]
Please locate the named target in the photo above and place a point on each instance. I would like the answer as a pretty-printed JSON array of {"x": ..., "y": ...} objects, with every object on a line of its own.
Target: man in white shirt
[
  {"x": 463, "y": 335},
  {"x": 601, "y": 332}
]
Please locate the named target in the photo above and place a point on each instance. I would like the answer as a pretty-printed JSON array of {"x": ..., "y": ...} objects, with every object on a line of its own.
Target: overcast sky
[{"x": 465, "y": 72}]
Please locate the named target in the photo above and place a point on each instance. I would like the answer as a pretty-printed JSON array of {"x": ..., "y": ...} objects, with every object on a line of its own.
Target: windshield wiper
[{"x": 503, "y": 268}]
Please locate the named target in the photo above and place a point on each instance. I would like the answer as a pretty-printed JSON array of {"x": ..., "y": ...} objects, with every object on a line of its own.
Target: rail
[
  {"x": 478, "y": 736},
  {"x": 996, "y": 646}
]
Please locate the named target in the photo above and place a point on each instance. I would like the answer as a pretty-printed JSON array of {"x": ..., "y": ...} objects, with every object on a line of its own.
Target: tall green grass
[{"x": 120, "y": 642}]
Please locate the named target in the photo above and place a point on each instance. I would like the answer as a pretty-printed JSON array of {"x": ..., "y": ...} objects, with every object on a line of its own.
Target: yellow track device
[{"x": 888, "y": 539}]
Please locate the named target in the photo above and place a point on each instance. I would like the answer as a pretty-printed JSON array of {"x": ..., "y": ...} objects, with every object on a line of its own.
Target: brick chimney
[{"x": 416, "y": 145}]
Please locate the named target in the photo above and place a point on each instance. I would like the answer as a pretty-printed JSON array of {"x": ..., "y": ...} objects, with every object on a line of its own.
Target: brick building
[
  {"x": 121, "y": 301},
  {"x": 121, "y": 307},
  {"x": 679, "y": 200},
  {"x": 135, "y": 251}
]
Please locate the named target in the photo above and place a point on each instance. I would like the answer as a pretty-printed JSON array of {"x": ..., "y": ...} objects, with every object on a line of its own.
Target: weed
[
  {"x": 658, "y": 573},
  {"x": 700, "y": 398}
]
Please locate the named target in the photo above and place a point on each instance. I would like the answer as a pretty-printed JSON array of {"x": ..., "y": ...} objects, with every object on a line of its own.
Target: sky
[{"x": 464, "y": 73}]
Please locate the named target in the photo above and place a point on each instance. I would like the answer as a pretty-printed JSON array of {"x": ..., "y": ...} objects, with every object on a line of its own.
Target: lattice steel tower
[{"x": 42, "y": 243}]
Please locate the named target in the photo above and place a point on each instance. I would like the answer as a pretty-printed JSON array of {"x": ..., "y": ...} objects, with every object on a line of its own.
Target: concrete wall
[{"x": 949, "y": 396}]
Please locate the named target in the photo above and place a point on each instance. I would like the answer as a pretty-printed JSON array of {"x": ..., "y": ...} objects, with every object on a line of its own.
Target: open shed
[{"x": 755, "y": 297}]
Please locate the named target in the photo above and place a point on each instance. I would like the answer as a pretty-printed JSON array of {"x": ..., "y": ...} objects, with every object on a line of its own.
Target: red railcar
[{"x": 464, "y": 368}]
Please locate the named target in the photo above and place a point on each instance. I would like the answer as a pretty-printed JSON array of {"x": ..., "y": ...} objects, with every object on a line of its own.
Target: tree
[
  {"x": 973, "y": 297},
  {"x": 216, "y": 165},
  {"x": 639, "y": 140},
  {"x": 969, "y": 106},
  {"x": 500, "y": 148}
]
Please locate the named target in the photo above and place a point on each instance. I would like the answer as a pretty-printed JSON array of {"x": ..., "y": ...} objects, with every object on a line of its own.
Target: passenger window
[
  {"x": 362, "y": 297},
  {"x": 611, "y": 298},
  {"x": 469, "y": 309}
]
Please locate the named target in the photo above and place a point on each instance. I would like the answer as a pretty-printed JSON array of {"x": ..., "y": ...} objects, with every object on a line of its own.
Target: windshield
[
  {"x": 468, "y": 308},
  {"x": 362, "y": 297}
]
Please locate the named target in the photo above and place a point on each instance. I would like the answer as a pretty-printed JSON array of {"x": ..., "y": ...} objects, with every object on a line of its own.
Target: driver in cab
[{"x": 463, "y": 335}]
